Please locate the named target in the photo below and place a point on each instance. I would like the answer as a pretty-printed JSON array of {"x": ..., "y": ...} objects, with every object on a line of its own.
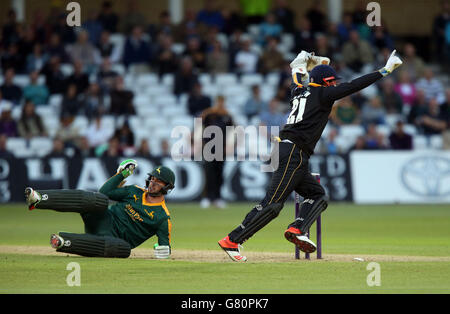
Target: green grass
[{"x": 403, "y": 230}]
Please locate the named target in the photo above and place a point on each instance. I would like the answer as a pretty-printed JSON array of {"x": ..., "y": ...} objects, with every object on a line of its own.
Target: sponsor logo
[{"x": 427, "y": 176}]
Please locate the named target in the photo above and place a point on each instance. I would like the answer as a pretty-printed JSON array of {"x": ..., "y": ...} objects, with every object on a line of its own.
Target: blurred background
[{"x": 75, "y": 100}]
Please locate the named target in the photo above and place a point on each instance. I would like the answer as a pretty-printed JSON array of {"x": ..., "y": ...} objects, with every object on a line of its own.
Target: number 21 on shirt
[{"x": 298, "y": 108}]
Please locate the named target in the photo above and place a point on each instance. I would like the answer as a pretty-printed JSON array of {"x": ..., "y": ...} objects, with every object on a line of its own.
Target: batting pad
[
  {"x": 77, "y": 201},
  {"x": 89, "y": 245},
  {"x": 309, "y": 212}
]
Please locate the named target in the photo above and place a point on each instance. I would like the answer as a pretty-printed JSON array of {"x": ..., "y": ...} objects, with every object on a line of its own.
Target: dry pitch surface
[{"x": 219, "y": 256}]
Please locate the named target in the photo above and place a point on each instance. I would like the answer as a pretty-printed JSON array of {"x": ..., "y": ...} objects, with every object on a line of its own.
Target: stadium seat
[
  {"x": 420, "y": 142},
  {"x": 41, "y": 146},
  {"x": 252, "y": 79},
  {"x": 45, "y": 111},
  {"x": 288, "y": 41},
  {"x": 178, "y": 48},
  {"x": 21, "y": 80},
  {"x": 81, "y": 122},
  {"x": 436, "y": 141},
  {"x": 146, "y": 80},
  {"x": 210, "y": 90},
  {"x": 351, "y": 131},
  {"x": 272, "y": 79},
  {"x": 183, "y": 120},
  {"x": 268, "y": 93},
  {"x": 67, "y": 69},
  {"x": 391, "y": 119},
  {"x": 410, "y": 129},
  {"x": 205, "y": 79},
  {"x": 225, "y": 79},
  {"x": 168, "y": 80},
  {"x": 384, "y": 129},
  {"x": 19, "y": 147},
  {"x": 51, "y": 124}
]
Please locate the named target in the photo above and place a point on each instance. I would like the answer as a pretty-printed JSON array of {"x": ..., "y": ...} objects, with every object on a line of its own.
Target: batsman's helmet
[
  {"x": 164, "y": 174},
  {"x": 322, "y": 74}
]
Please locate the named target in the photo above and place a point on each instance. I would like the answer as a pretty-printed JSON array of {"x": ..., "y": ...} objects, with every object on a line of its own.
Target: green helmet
[{"x": 164, "y": 174}]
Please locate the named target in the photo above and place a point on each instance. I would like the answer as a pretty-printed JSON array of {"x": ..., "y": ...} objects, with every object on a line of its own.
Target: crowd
[{"x": 213, "y": 40}]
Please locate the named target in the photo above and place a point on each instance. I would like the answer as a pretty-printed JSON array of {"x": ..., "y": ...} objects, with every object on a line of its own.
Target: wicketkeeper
[
  {"x": 112, "y": 231},
  {"x": 312, "y": 97}
]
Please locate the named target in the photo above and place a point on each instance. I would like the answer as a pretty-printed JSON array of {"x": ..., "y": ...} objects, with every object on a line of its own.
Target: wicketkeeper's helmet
[
  {"x": 164, "y": 174},
  {"x": 322, "y": 74}
]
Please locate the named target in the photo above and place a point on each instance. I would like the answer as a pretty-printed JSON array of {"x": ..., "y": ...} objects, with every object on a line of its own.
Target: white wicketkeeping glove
[
  {"x": 392, "y": 63},
  {"x": 162, "y": 251},
  {"x": 300, "y": 64},
  {"x": 316, "y": 60},
  {"x": 127, "y": 167}
]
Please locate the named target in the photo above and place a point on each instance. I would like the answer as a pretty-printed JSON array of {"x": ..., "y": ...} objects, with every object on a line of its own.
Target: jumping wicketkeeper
[
  {"x": 313, "y": 96},
  {"x": 112, "y": 231}
]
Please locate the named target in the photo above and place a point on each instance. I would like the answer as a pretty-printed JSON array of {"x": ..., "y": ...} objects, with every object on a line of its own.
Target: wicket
[{"x": 318, "y": 226}]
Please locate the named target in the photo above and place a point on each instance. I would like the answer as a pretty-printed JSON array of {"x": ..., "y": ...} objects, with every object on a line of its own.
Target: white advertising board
[{"x": 400, "y": 177}]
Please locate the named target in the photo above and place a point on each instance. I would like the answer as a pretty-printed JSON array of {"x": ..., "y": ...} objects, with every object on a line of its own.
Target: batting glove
[
  {"x": 127, "y": 167},
  {"x": 161, "y": 251},
  {"x": 392, "y": 63}
]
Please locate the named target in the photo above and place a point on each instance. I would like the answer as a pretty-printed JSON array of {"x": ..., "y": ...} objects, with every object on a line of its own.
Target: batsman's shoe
[
  {"x": 56, "y": 241},
  {"x": 32, "y": 198},
  {"x": 232, "y": 249},
  {"x": 302, "y": 241}
]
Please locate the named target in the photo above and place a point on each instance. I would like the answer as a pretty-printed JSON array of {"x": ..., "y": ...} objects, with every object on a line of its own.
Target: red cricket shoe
[
  {"x": 232, "y": 249},
  {"x": 295, "y": 236}
]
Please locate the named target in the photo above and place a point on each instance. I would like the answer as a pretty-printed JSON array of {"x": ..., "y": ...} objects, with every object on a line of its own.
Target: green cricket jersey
[{"x": 133, "y": 219}]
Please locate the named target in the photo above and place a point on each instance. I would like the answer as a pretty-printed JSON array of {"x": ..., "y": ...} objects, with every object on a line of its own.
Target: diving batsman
[
  {"x": 312, "y": 97},
  {"x": 113, "y": 230}
]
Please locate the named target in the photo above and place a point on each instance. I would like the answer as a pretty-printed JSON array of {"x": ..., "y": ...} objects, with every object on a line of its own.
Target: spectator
[
  {"x": 26, "y": 43},
  {"x": 11, "y": 91},
  {"x": 56, "y": 49},
  {"x": 107, "y": 49},
  {"x": 84, "y": 50},
  {"x": 185, "y": 78},
  {"x": 4, "y": 103},
  {"x": 345, "y": 112},
  {"x": 125, "y": 136},
  {"x": 432, "y": 87},
  {"x": 10, "y": 32},
  {"x": 412, "y": 63},
  {"x": 164, "y": 26},
  {"x": 432, "y": 122},
  {"x": 79, "y": 78},
  {"x": 210, "y": 16},
  {"x": 271, "y": 60},
  {"x": 106, "y": 77},
  {"x": 94, "y": 103},
  {"x": 144, "y": 149},
  {"x": 399, "y": 139},
  {"x": 93, "y": 28},
  {"x": 439, "y": 28},
  {"x": 30, "y": 123},
  {"x": 37, "y": 94},
  {"x": 68, "y": 132},
  {"x": 273, "y": 117},
  {"x": 167, "y": 59},
  {"x": 373, "y": 139},
  {"x": 445, "y": 112},
  {"x": 254, "y": 104},
  {"x": 359, "y": 14},
  {"x": 346, "y": 27},
  {"x": 217, "y": 60},
  {"x": 4, "y": 153},
  {"x": 380, "y": 38},
  {"x": 58, "y": 150},
  {"x": 71, "y": 103},
  {"x": 373, "y": 112},
  {"x": 357, "y": 53},
  {"x": 217, "y": 116},
  {"x": 137, "y": 51},
  {"x": 107, "y": 18},
  {"x": 197, "y": 102},
  {"x": 97, "y": 133},
  {"x": 231, "y": 21},
  {"x": 406, "y": 89},
  {"x": 165, "y": 148},
  {"x": 246, "y": 60},
  {"x": 195, "y": 53},
  {"x": 317, "y": 18},
  {"x": 285, "y": 16},
  {"x": 12, "y": 59},
  {"x": 113, "y": 149},
  {"x": 121, "y": 99},
  {"x": 330, "y": 146},
  {"x": 418, "y": 108},
  {"x": 188, "y": 27},
  {"x": 303, "y": 36},
  {"x": 269, "y": 28},
  {"x": 391, "y": 100},
  {"x": 36, "y": 60},
  {"x": 132, "y": 18},
  {"x": 8, "y": 126},
  {"x": 360, "y": 144},
  {"x": 83, "y": 150}
]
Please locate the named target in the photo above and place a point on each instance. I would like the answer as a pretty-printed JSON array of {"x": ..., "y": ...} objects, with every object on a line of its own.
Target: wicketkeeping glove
[
  {"x": 392, "y": 63},
  {"x": 161, "y": 251},
  {"x": 316, "y": 60},
  {"x": 300, "y": 64},
  {"x": 127, "y": 167}
]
